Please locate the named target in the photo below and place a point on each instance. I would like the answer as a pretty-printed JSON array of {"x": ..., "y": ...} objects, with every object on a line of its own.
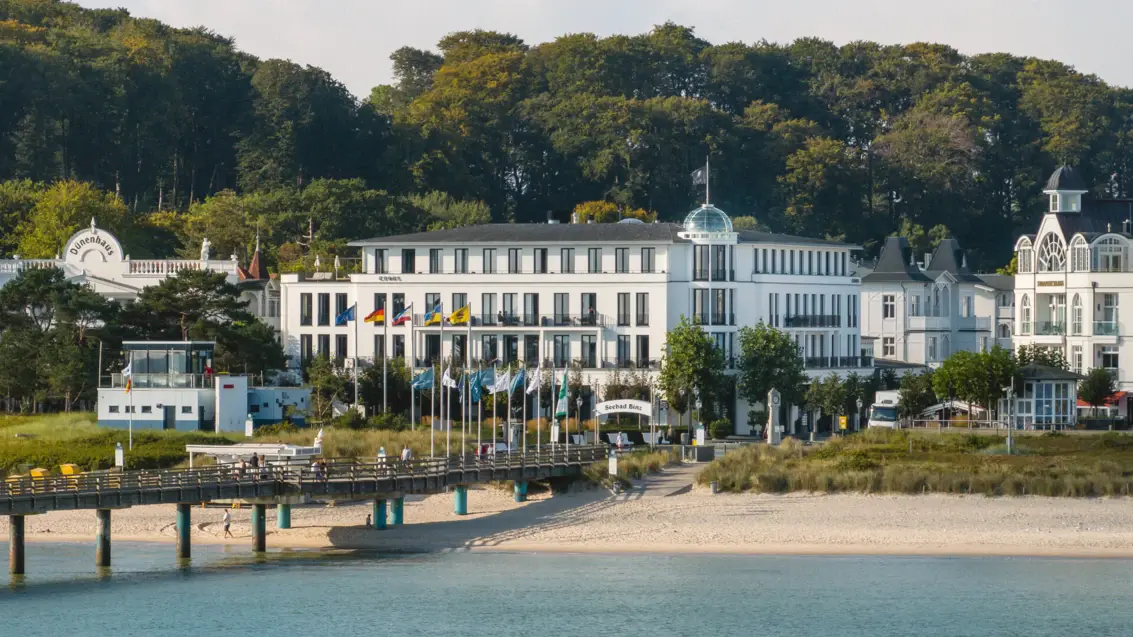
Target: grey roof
[
  {"x": 578, "y": 233},
  {"x": 1065, "y": 178},
  {"x": 1097, "y": 217},
  {"x": 894, "y": 264},
  {"x": 949, "y": 257},
  {"x": 998, "y": 281},
  {"x": 1035, "y": 371}
]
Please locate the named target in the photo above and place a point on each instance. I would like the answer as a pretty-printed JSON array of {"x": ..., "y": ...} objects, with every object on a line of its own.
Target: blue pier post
[
  {"x": 397, "y": 512},
  {"x": 283, "y": 516},
  {"x": 520, "y": 491},
  {"x": 184, "y": 525},
  {"x": 259, "y": 527},
  {"x": 380, "y": 514},
  {"x": 460, "y": 500},
  {"x": 16, "y": 544},
  {"x": 102, "y": 538}
]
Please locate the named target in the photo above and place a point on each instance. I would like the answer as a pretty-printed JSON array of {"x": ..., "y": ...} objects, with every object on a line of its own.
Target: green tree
[
  {"x": 61, "y": 211},
  {"x": 691, "y": 362},
  {"x": 1040, "y": 355},
  {"x": 1096, "y": 387},
  {"x": 916, "y": 394},
  {"x": 829, "y": 395},
  {"x": 768, "y": 360},
  {"x": 328, "y": 386},
  {"x": 398, "y": 396}
]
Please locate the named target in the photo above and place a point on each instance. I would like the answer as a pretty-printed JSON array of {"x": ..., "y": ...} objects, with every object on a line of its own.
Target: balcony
[
  {"x": 837, "y": 362},
  {"x": 628, "y": 363},
  {"x": 1105, "y": 328},
  {"x": 514, "y": 320},
  {"x": 813, "y": 320},
  {"x": 1051, "y": 328}
]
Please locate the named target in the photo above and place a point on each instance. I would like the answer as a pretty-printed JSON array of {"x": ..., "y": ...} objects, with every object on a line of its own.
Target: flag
[
  {"x": 424, "y": 380},
  {"x": 536, "y": 381},
  {"x": 460, "y": 316},
  {"x": 488, "y": 378},
  {"x": 448, "y": 381},
  {"x": 128, "y": 374},
  {"x": 503, "y": 383},
  {"x": 346, "y": 316},
  {"x": 434, "y": 317},
  {"x": 377, "y": 316},
  {"x": 561, "y": 405},
  {"x": 404, "y": 316},
  {"x": 477, "y": 391},
  {"x": 518, "y": 381},
  {"x": 700, "y": 176}
]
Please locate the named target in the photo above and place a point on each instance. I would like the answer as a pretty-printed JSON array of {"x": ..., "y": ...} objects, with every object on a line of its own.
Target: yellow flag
[{"x": 460, "y": 316}]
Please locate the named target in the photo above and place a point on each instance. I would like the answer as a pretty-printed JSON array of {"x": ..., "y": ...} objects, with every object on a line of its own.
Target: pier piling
[
  {"x": 102, "y": 538},
  {"x": 16, "y": 544},
  {"x": 380, "y": 514},
  {"x": 397, "y": 511},
  {"x": 520, "y": 491},
  {"x": 259, "y": 528},
  {"x": 283, "y": 516},
  {"x": 184, "y": 525},
  {"x": 460, "y": 500}
]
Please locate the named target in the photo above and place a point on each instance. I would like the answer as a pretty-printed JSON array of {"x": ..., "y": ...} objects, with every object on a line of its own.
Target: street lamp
[
  {"x": 858, "y": 415},
  {"x": 683, "y": 392},
  {"x": 699, "y": 405},
  {"x": 1010, "y": 391},
  {"x": 578, "y": 415}
]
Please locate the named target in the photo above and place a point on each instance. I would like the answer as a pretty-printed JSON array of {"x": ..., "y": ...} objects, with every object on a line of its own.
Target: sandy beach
[{"x": 662, "y": 517}]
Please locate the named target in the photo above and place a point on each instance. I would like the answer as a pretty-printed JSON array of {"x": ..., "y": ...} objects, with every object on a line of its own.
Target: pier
[{"x": 385, "y": 481}]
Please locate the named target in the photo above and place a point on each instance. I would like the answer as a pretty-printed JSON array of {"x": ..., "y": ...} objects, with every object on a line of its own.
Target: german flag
[{"x": 377, "y": 316}]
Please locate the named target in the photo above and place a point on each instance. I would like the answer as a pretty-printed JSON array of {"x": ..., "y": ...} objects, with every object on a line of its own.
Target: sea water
[{"x": 229, "y": 591}]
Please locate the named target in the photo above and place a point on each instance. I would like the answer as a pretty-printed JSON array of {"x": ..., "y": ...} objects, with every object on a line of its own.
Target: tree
[
  {"x": 399, "y": 394},
  {"x": 1096, "y": 388},
  {"x": 976, "y": 378},
  {"x": 607, "y": 212},
  {"x": 60, "y": 212},
  {"x": 768, "y": 360},
  {"x": 327, "y": 388},
  {"x": 828, "y": 395},
  {"x": 1040, "y": 355},
  {"x": 691, "y": 362},
  {"x": 916, "y": 394}
]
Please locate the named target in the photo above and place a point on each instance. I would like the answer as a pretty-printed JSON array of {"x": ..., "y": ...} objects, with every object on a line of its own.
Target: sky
[{"x": 352, "y": 39}]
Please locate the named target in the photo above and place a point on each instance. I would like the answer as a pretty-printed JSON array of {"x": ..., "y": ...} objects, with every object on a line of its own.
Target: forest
[{"x": 170, "y": 135}]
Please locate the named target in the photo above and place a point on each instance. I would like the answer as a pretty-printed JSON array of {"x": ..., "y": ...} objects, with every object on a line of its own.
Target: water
[{"x": 230, "y": 592}]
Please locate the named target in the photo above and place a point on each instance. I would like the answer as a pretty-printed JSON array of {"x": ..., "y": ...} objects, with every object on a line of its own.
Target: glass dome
[{"x": 707, "y": 219}]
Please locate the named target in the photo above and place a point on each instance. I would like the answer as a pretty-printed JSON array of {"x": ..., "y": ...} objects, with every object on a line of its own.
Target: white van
[{"x": 883, "y": 412}]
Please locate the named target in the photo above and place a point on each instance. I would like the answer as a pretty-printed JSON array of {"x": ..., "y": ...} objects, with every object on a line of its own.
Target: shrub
[
  {"x": 276, "y": 430},
  {"x": 389, "y": 421},
  {"x": 721, "y": 428}
]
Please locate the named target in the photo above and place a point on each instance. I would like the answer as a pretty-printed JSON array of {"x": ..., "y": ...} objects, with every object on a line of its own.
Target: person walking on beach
[
  {"x": 368, "y": 524},
  {"x": 227, "y": 524}
]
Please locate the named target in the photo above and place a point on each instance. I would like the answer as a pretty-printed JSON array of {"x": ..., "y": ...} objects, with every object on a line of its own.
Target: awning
[{"x": 1112, "y": 401}]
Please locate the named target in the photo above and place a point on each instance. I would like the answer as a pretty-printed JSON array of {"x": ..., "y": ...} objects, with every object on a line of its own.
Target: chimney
[
  {"x": 927, "y": 259},
  {"x": 1125, "y": 226},
  {"x": 551, "y": 218}
]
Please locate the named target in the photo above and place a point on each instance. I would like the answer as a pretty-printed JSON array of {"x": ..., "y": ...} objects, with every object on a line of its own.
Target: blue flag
[
  {"x": 488, "y": 378},
  {"x": 477, "y": 390},
  {"x": 424, "y": 380},
  {"x": 345, "y": 317},
  {"x": 518, "y": 380}
]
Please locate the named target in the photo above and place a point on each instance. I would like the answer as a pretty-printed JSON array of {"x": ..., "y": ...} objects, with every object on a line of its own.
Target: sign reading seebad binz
[{"x": 624, "y": 407}]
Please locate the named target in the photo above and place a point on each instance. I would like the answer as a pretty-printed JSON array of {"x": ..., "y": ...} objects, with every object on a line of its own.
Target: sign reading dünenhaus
[{"x": 93, "y": 239}]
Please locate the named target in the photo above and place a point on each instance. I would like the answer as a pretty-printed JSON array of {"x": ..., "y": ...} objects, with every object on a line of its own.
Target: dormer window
[{"x": 1054, "y": 202}]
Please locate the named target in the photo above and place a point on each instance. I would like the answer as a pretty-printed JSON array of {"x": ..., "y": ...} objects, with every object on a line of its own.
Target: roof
[
  {"x": 1110, "y": 401},
  {"x": 949, "y": 257},
  {"x": 1097, "y": 217},
  {"x": 578, "y": 233},
  {"x": 257, "y": 271},
  {"x": 894, "y": 264},
  {"x": 1065, "y": 178},
  {"x": 998, "y": 281},
  {"x": 1035, "y": 371}
]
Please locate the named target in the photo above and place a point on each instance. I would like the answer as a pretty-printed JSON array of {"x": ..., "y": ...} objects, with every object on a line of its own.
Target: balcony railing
[
  {"x": 837, "y": 362},
  {"x": 813, "y": 320},
  {"x": 551, "y": 363},
  {"x": 1051, "y": 328},
  {"x": 1105, "y": 328},
  {"x": 526, "y": 320}
]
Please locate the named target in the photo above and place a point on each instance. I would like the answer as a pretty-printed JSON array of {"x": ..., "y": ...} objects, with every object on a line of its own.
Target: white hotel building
[
  {"x": 598, "y": 296},
  {"x": 1074, "y": 276}
]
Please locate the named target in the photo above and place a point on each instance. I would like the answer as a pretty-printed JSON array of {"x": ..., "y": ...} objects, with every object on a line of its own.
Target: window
[
  {"x": 966, "y": 307},
  {"x": 623, "y": 351},
  {"x": 561, "y": 350},
  {"x": 1076, "y": 315},
  {"x": 399, "y": 346},
  {"x": 719, "y": 263},
  {"x": 1076, "y": 359},
  {"x": 566, "y": 260},
  {"x": 488, "y": 348},
  {"x": 643, "y": 308},
  {"x": 435, "y": 261},
  {"x": 113, "y": 409},
  {"x": 513, "y": 260},
  {"x": 932, "y": 348},
  {"x": 489, "y": 260},
  {"x": 888, "y": 306},
  {"x": 1110, "y": 255},
  {"x": 623, "y": 309},
  {"x": 621, "y": 260},
  {"x": 511, "y": 309},
  {"x": 589, "y": 308},
  {"x": 648, "y": 260},
  {"x": 459, "y": 345},
  {"x": 340, "y": 346},
  {"x": 488, "y": 314},
  {"x": 589, "y": 351},
  {"x": 562, "y": 308},
  {"x": 984, "y": 344},
  {"x": 379, "y": 303},
  {"x": 1025, "y": 315},
  {"x": 398, "y": 302},
  {"x": 459, "y": 300},
  {"x": 324, "y": 308},
  {"x": 511, "y": 348},
  {"x": 700, "y": 263},
  {"x": 540, "y": 260},
  {"x": 324, "y": 345},
  {"x": 379, "y": 347},
  {"x": 340, "y": 302},
  {"x": 1052, "y": 254},
  {"x": 915, "y": 305},
  {"x": 643, "y": 351},
  {"x": 306, "y": 348},
  {"x": 531, "y": 348},
  {"x": 719, "y": 307},
  {"x": 1108, "y": 324},
  {"x": 186, "y": 409},
  {"x": 531, "y": 308},
  {"x": 306, "y": 308},
  {"x": 380, "y": 261},
  {"x": 1004, "y": 331},
  {"x": 700, "y": 307},
  {"x": 594, "y": 260},
  {"x": 1054, "y": 202},
  {"x": 432, "y": 300},
  {"x": 409, "y": 261},
  {"x": 432, "y": 348},
  {"x": 146, "y": 409},
  {"x": 888, "y": 347},
  {"x": 1079, "y": 255},
  {"x": 461, "y": 260},
  {"x": 1108, "y": 357}
]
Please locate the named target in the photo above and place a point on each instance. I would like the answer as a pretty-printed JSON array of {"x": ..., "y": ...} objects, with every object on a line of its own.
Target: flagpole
[
  {"x": 524, "y": 407},
  {"x": 539, "y": 412},
  {"x": 357, "y": 398},
  {"x": 495, "y": 422},
  {"x": 433, "y": 416},
  {"x": 385, "y": 363},
  {"x": 554, "y": 439},
  {"x": 131, "y": 392},
  {"x": 509, "y": 436},
  {"x": 479, "y": 409},
  {"x": 566, "y": 411},
  {"x": 707, "y": 178}
]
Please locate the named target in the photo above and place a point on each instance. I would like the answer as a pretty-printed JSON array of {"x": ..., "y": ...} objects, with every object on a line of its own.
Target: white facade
[
  {"x": 921, "y": 313},
  {"x": 599, "y": 296},
  {"x": 1073, "y": 277}
]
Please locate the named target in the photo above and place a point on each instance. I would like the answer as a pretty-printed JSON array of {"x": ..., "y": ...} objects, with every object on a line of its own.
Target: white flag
[
  {"x": 447, "y": 381},
  {"x": 535, "y": 382},
  {"x": 503, "y": 383}
]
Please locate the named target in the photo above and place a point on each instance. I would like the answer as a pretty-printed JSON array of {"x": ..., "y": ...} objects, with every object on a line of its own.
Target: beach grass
[
  {"x": 878, "y": 461},
  {"x": 631, "y": 466}
]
